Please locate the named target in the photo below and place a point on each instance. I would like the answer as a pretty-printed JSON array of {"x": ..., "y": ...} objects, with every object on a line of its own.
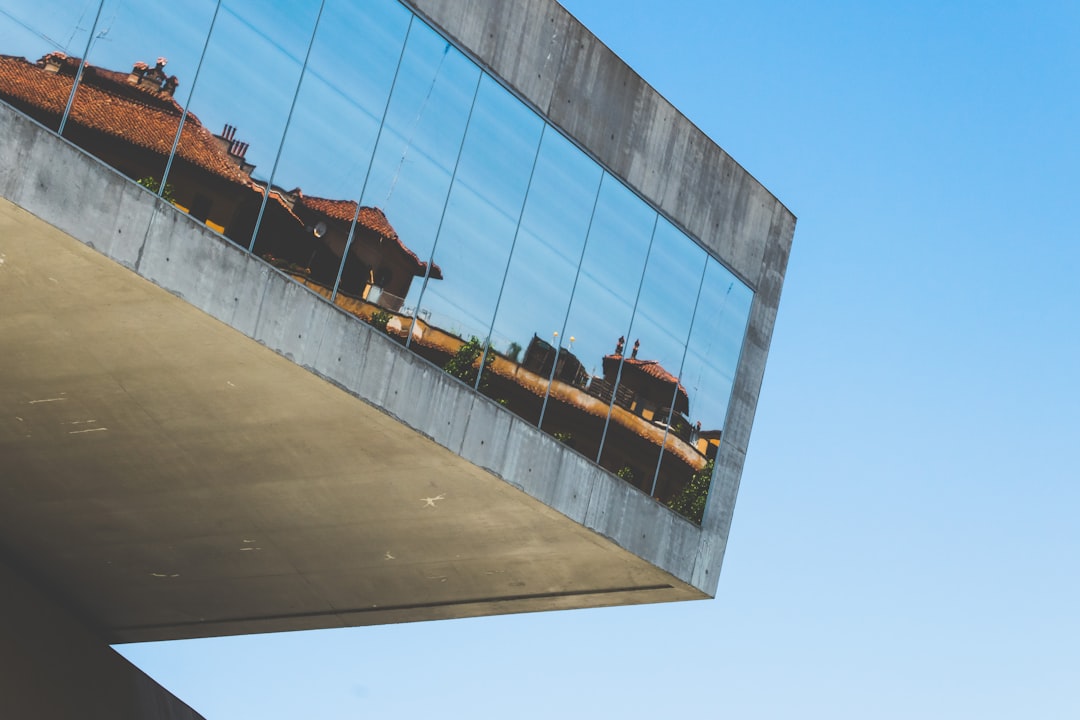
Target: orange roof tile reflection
[
  {"x": 141, "y": 117},
  {"x": 369, "y": 217}
]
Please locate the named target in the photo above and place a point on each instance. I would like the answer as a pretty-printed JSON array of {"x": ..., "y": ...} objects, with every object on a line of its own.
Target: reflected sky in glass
[
  {"x": 421, "y": 140},
  {"x": 715, "y": 343},
  {"x": 665, "y": 310},
  {"x": 483, "y": 212},
  {"x": 344, "y": 91},
  {"x": 611, "y": 271},
  {"x": 668, "y": 298},
  {"x": 554, "y": 226},
  {"x": 32, "y": 28}
]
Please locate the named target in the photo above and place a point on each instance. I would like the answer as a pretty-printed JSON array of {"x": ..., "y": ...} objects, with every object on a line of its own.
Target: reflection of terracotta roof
[
  {"x": 433, "y": 337},
  {"x": 653, "y": 369},
  {"x": 277, "y": 197},
  {"x": 582, "y": 401},
  {"x": 141, "y": 117},
  {"x": 371, "y": 218},
  {"x": 649, "y": 367},
  {"x": 345, "y": 210}
]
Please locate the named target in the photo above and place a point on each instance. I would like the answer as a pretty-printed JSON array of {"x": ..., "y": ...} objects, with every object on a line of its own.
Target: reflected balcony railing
[
  {"x": 384, "y": 299},
  {"x": 602, "y": 389}
]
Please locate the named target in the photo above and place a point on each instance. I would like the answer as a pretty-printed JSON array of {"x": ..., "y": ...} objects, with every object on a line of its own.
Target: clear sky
[{"x": 906, "y": 540}]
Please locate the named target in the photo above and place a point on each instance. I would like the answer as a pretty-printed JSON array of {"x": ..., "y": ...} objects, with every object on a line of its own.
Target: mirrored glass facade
[{"x": 357, "y": 150}]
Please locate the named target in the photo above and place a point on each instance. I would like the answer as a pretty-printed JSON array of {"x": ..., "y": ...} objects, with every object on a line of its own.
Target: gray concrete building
[{"x": 456, "y": 316}]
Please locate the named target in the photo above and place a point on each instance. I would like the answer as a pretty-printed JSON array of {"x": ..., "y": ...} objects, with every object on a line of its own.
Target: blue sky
[{"x": 905, "y": 542}]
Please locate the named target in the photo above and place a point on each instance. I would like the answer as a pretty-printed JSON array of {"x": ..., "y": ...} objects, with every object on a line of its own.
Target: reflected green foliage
[
  {"x": 379, "y": 319},
  {"x": 464, "y": 366},
  {"x": 625, "y": 473},
  {"x": 153, "y": 185},
  {"x": 690, "y": 502},
  {"x": 513, "y": 351}
]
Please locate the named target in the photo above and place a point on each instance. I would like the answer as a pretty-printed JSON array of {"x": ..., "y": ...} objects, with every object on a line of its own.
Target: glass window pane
[
  {"x": 540, "y": 282},
  {"x": 112, "y": 105},
  {"x": 240, "y": 107},
  {"x": 33, "y": 28},
  {"x": 601, "y": 311},
  {"x": 141, "y": 68},
  {"x": 327, "y": 154},
  {"x": 480, "y": 225},
  {"x": 651, "y": 406},
  {"x": 42, "y": 40},
  {"x": 418, "y": 149},
  {"x": 708, "y": 374}
]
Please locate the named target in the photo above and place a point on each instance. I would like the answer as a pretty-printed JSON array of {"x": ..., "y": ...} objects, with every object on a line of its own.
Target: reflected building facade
[{"x": 490, "y": 192}]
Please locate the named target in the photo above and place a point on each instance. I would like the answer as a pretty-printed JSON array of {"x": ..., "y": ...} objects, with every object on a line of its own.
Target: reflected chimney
[
  {"x": 152, "y": 78},
  {"x": 52, "y": 62},
  {"x": 235, "y": 149}
]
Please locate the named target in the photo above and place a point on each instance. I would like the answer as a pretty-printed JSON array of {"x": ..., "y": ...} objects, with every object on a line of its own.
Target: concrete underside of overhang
[{"x": 168, "y": 477}]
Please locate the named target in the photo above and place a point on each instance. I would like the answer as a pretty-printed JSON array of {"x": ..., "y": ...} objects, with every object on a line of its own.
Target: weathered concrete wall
[
  {"x": 55, "y": 667},
  {"x": 79, "y": 195},
  {"x": 555, "y": 64}
]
